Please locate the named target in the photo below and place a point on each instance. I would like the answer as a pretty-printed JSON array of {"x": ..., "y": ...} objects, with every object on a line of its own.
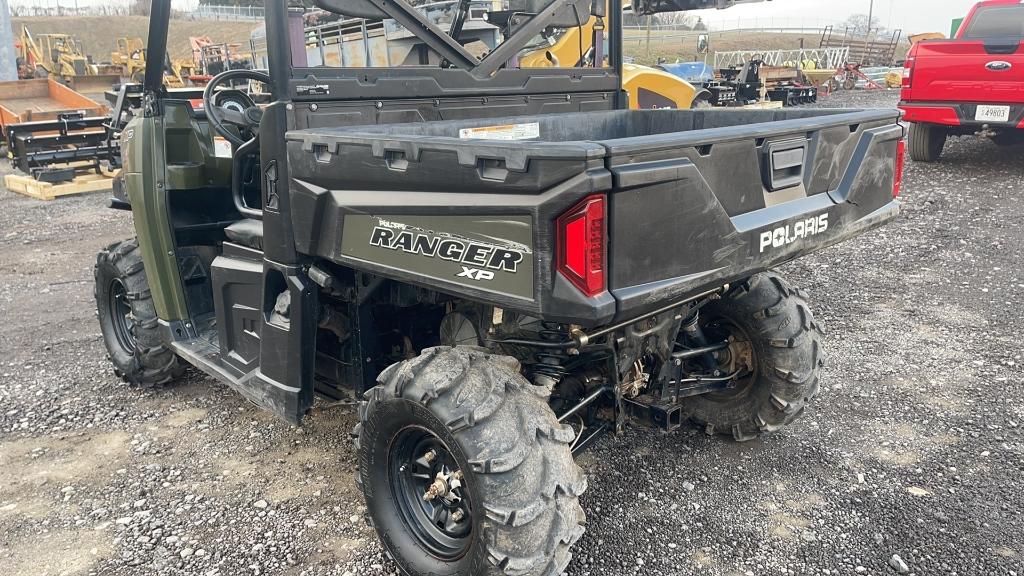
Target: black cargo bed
[
  {"x": 611, "y": 125},
  {"x": 575, "y": 134},
  {"x": 691, "y": 193}
]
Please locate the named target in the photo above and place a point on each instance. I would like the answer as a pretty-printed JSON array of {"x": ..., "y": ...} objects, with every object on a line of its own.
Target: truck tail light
[
  {"x": 901, "y": 156},
  {"x": 908, "y": 78},
  {"x": 908, "y": 72},
  {"x": 581, "y": 246}
]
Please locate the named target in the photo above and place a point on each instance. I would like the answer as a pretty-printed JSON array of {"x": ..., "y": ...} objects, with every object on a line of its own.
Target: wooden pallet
[
  {"x": 83, "y": 183},
  {"x": 762, "y": 105}
]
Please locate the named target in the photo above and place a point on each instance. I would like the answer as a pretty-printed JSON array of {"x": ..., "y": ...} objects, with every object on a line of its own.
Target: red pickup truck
[{"x": 971, "y": 84}]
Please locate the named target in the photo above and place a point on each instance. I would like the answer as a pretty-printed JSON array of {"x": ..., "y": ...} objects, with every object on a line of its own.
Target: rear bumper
[{"x": 957, "y": 114}]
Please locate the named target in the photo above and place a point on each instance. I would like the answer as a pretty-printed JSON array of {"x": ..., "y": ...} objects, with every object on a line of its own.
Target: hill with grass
[
  {"x": 682, "y": 46},
  {"x": 98, "y": 33},
  {"x": 673, "y": 46}
]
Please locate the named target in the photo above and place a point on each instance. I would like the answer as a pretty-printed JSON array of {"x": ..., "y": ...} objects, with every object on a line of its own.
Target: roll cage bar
[{"x": 462, "y": 73}]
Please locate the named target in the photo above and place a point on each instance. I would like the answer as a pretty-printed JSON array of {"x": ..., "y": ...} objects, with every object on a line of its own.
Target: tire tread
[
  {"x": 153, "y": 363},
  {"x": 780, "y": 318},
  {"x": 926, "y": 142},
  {"x": 515, "y": 445}
]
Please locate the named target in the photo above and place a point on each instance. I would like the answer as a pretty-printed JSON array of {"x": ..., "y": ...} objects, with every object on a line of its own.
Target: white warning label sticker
[
  {"x": 221, "y": 147},
  {"x": 505, "y": 132}
]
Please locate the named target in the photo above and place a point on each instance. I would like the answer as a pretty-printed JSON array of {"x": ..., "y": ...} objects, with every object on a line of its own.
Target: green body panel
[
  {"x": 190, "y": 161},
  {"x": 169, "y": 152},
  {"x": 142, "y": 149}
]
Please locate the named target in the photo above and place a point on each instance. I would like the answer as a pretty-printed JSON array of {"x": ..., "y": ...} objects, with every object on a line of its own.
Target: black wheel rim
[
  {"x": 741, "y": 355},
  {"x": 430, "y": 490},
  {"x": 121, "y": 315}
]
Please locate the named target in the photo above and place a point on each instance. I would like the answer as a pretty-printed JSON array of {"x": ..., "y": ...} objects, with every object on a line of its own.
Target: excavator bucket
[{"x": 93, "y": 83}]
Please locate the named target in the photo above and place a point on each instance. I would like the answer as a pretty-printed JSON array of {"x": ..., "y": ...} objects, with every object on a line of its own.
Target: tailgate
[
  {"x": 968, "y": 71},
  {"x": 693, "y": 210}
]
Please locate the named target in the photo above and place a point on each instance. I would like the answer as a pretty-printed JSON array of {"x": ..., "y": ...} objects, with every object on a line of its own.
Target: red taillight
[
  {"x": 581, "y": 246},
  {"x": 901, "y": 155}
]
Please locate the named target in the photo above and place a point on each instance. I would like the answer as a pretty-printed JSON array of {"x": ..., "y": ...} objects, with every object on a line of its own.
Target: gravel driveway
[{"x": 915, "y": 447}]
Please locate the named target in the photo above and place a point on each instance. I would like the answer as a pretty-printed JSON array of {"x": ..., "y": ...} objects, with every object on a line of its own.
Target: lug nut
[
  {"x": 436, "y": 489},
  {"x": 458, "y": 515},
  {"x": 430, "y": 456}
]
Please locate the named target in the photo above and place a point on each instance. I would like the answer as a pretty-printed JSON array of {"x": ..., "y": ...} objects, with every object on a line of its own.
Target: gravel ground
[{"x": 914, "y": 448}]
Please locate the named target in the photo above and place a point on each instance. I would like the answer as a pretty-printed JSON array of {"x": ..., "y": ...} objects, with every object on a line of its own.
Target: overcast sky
[{"x": 913, "y": 16}]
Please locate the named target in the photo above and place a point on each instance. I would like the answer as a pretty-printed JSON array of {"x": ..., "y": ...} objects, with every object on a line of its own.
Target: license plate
[{"x": 992, "y": 114}]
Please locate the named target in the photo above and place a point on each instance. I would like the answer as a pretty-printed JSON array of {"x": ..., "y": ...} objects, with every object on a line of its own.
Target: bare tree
[
  {"x": 858, "y": 25},
  {"x": 678, "y": 19},
  {"x": 140, "y": 8}
]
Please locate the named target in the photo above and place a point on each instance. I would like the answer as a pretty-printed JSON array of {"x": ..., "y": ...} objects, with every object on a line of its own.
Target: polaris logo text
[
  {"x": 451, "y": 249},
  {"x": 790, "y": 233}
]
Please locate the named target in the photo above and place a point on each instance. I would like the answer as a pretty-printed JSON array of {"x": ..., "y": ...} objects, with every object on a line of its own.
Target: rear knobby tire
[
  {"x": 927, "y": 141},
  {"x": 787, "y": 353},
  {"x": 522, "y": 481},
  {"x": 128, "y": 319}
]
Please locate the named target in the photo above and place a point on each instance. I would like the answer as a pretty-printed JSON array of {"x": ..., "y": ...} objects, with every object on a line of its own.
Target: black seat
[{"x": 247, "y": 232}]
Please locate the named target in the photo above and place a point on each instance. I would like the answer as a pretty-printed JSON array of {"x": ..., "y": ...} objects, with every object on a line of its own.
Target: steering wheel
[{"x": 233, "y": 107}]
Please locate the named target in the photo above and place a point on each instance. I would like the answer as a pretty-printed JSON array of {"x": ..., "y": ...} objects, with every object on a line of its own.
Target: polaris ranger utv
[{"x": 500, "y": 263}]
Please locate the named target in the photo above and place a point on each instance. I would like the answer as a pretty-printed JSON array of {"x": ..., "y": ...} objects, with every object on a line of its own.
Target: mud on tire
[
  {"x": 523, "y": 484},
  {"x": 128, "y": 318},
  {"x": 786, "y": 346}
]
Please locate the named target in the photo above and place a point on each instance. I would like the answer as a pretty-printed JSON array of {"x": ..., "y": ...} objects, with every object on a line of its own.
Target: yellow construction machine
[
  {"x": 130, "y": 57},
  {"x": 61, "y": 57},
  {"x": 647, "y": 87}
]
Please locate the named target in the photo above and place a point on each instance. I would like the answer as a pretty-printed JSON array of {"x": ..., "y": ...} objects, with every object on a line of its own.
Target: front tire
[
  {"x": 927, "y": 141},
  {"x": 503, "y": 460},
  {"x": 770, "y": 327},
  {"x": 128, "y": 318}
]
